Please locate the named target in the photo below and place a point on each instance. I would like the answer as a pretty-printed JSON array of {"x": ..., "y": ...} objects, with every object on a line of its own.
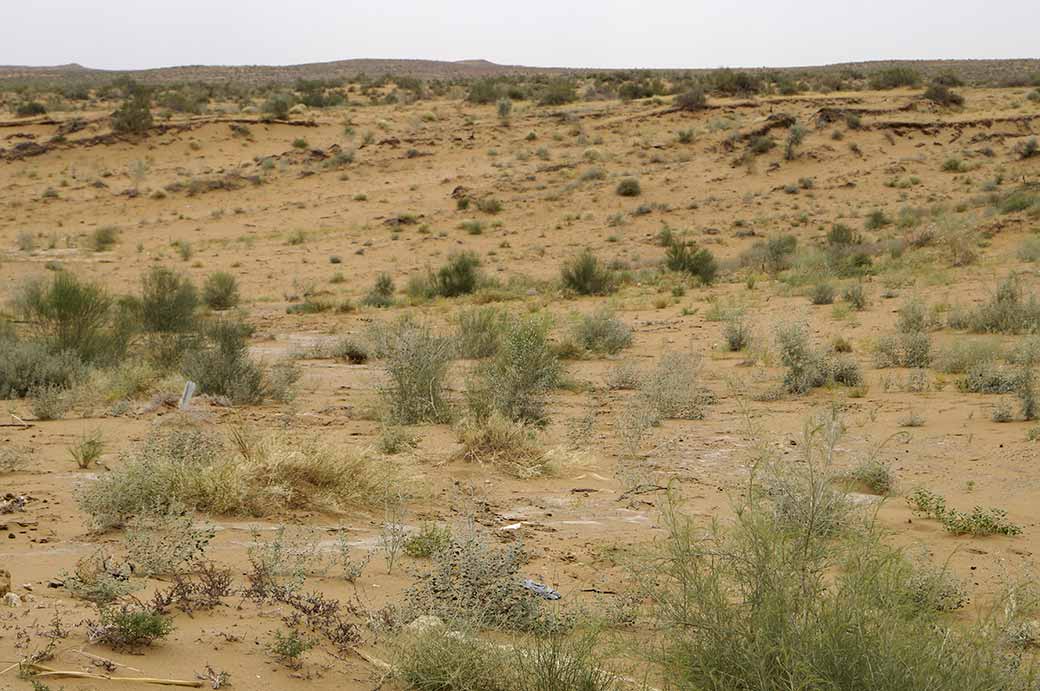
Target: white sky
[{"x": 130, "y": 34}]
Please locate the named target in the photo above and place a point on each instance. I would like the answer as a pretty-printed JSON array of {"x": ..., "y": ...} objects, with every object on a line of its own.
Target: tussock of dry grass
[
  {"x": 511, "y": 446},
  {"x": 251, "y": 477}
]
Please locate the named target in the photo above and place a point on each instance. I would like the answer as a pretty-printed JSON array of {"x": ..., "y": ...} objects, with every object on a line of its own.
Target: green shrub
[
  {"x": 479, "y": 331},
  {"x": 509, "y": 445},
  {"x": 558, "y": 92},
  {"x": 168, "y": 302},
  {"x": 894, "y": 77},
  {"x": 856, "y": 296},
  {"x": 692, "y": 99},
  {"x": 602, "y": 332},
  {"x": 277, "y": 106},
  {"x": 221, "y": 365},
  {"x": 1008, "y": 311},
  {"x": 459, "y": 276},
  {"x": 220, "y": 291},
  {"x": 417, "y": 362},
  {"x": 979, "y": 522},
  {"x": 737, "y": 334},
  {"x": 514, "y": 382},
  {"x": 767, "y": 606},
  {"x": 134, "y": 116},
  {"x": 382, "y": 293},
  {"x": 69, "y": 315},
  {"x": 629, "y": 187},
  {"x": 129, "y": 627},
  {"x": 585, "y": 275},
  {"x": 289, "y": 648},
  {"x": 806, "y": 368},
  {"x": 474, "y": 583},
  {"x": 430, "y": 540},
  {"x": 688, "y": 258},
  {"x": 942, "y": 95},
  {"x": 29, "y": 109},
  {"x": 822, "y": 294},
  {"x": 27, "y": 366},
  {"x": 103, "y": 238}
]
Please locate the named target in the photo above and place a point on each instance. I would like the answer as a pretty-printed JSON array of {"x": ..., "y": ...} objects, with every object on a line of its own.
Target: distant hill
[{"x": 973, "y": 71}]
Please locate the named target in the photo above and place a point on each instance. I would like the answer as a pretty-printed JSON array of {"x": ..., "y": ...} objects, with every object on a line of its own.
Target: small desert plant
[
  {"x": 585, "y": 275},
  {"x": 129, "y": 627},
  {"x": 103, "y": 238},
  {"x": 822, "y": 294},
  {"x": 288, "y": 648},
  {"x": 510, "y": 445},
  {"x": 382, "y": 293},
  {"x": 942, "y": 95},
  {"x": 220, "y": 291},
  {"x": 688, "y": 258},
  {"x": 602, "y": 332},
  {"x": 430, "y": 540},
  {"x": 737, "y": 333},
  {"x": 672, "y": 390},
  {"x": 514, "y": 382},
  {"x": 190, "y": 467},
  {"x": 855, "y": 295},
  {"x": 70, "y": 315},
  {"x": 473, "y": 582},
  {"x": 692, "y": 99},
  {"x": 417, "y": 362},
  {"x": 479, "y": 331},
  {"x": 805, "y": 367},
  {"x": 629, "y": 187},
  {"x": 222, "y": 365},
  {"x": 88, "y": 450},
  {"x": 979, "y": 522}
]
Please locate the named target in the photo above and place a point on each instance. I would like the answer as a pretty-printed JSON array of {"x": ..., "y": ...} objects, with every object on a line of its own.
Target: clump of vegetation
[
  {"x": 602, "y": 332},
  {"x": 514, "y": 382},
  {"x": 88, "y": 450},
  {"x": 129, "y": 627},
  {"x": 288, "y": 648},
  {"x": 479, "y": 331},
  {"x": 629, "y": 187},
  {"x": 417, "y": 362},
  {"x": 688, "y": 258},
  {"x": 692, "y": 99},
  {"x": 382, "y": 293},
  {"x": 103, "y": 238},
  {"x": 430, "y": 540},
  {"x": 187, "y": 466},
  {"x": 979, "y": 522},
  {"x": 503, "y": 443},
  {"x": 1008, "y": 311},
  {"x": 737, "y": 333},
  {"x": 472, "y": 582},
  {"x": 69, "y": 315},
  {"x": 942, "y": 95},
  {"x": 134, "y": 116},
  {"x": 809, "y": 368},
  {"x": 672, "y": 389},
  {"x": 460, "y": 276},
  {"x": 585, "y": 275},
  {"x": 220, "y": 291},
  {"x": 837, "y": 607},
  {"x": 222, "y": 366}
]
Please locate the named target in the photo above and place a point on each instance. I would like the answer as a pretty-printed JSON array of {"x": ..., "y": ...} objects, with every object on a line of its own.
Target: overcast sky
[{"x": 125, "y": 34}]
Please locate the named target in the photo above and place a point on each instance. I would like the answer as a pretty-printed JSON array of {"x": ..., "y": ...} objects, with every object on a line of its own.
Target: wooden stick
[{"x": 102, "y": 677}]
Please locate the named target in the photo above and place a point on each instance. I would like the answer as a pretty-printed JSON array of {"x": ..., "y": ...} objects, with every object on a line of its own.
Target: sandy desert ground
[{"x": 298, "y": 225}]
